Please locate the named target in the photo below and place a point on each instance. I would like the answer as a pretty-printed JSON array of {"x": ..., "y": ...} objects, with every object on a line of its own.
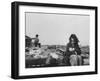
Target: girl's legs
[
  {"x": 79, "y": 60},
  {"x": 73, "y": 60}
]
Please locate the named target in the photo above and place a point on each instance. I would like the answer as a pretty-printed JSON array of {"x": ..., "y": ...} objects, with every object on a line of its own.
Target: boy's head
[{"x": 37, "y": 35}]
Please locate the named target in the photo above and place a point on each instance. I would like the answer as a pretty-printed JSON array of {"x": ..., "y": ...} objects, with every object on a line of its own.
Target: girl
[{"x": 73, "y": 51}]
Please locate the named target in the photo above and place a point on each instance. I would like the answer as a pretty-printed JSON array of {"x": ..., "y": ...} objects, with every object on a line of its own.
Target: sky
[{"x": 55, "y": 29}]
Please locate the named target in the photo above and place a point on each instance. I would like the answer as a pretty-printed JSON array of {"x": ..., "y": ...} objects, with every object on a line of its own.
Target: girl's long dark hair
[{"x": 75, "y": 39}]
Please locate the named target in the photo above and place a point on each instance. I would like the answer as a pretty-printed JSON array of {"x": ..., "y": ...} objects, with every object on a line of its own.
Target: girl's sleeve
[
  {"x": 78, "y": 50},
  {"x": 67, "y": 50}
]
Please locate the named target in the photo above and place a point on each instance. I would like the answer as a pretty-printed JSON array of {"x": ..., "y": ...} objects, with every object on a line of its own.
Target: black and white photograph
[
  {"x": 56, "y": 39},
  {"x": 51, "y": 40}
]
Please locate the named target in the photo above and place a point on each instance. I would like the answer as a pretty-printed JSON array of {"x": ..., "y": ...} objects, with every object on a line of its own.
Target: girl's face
[{"x": 72, "y": 41}]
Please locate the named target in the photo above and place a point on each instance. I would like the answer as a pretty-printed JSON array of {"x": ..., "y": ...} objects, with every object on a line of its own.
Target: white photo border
[{"x": 54, "y": 70}]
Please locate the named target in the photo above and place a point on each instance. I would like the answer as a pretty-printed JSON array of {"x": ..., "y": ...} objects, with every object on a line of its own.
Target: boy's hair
[{"x": 37, "y": 35}]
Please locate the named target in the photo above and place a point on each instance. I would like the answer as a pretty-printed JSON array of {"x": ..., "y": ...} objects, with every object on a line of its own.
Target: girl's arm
[{"x": 78, "y": 50}]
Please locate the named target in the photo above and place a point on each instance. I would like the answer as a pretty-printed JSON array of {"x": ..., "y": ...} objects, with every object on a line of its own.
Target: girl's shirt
[{"x": 72, "y": 49}]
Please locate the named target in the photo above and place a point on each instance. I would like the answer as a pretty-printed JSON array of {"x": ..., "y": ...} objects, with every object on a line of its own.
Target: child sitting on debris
[
  {"x": 73, "y": 51},
  {"x": 35, "y": 41}
]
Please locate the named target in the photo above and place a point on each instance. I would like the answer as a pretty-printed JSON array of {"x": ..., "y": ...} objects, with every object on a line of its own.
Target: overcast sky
[{"x": 57, "y": 28}]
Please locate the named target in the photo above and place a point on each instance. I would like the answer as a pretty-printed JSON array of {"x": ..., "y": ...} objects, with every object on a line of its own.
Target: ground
[{"x": 51, "y": 55}]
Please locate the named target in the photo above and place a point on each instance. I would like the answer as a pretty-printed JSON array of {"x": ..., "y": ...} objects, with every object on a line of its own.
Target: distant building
[{"x": 27, "y": 41}]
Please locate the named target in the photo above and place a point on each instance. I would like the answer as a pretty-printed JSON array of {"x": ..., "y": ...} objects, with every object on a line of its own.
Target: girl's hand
[{"x": 71, "y": 49}]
